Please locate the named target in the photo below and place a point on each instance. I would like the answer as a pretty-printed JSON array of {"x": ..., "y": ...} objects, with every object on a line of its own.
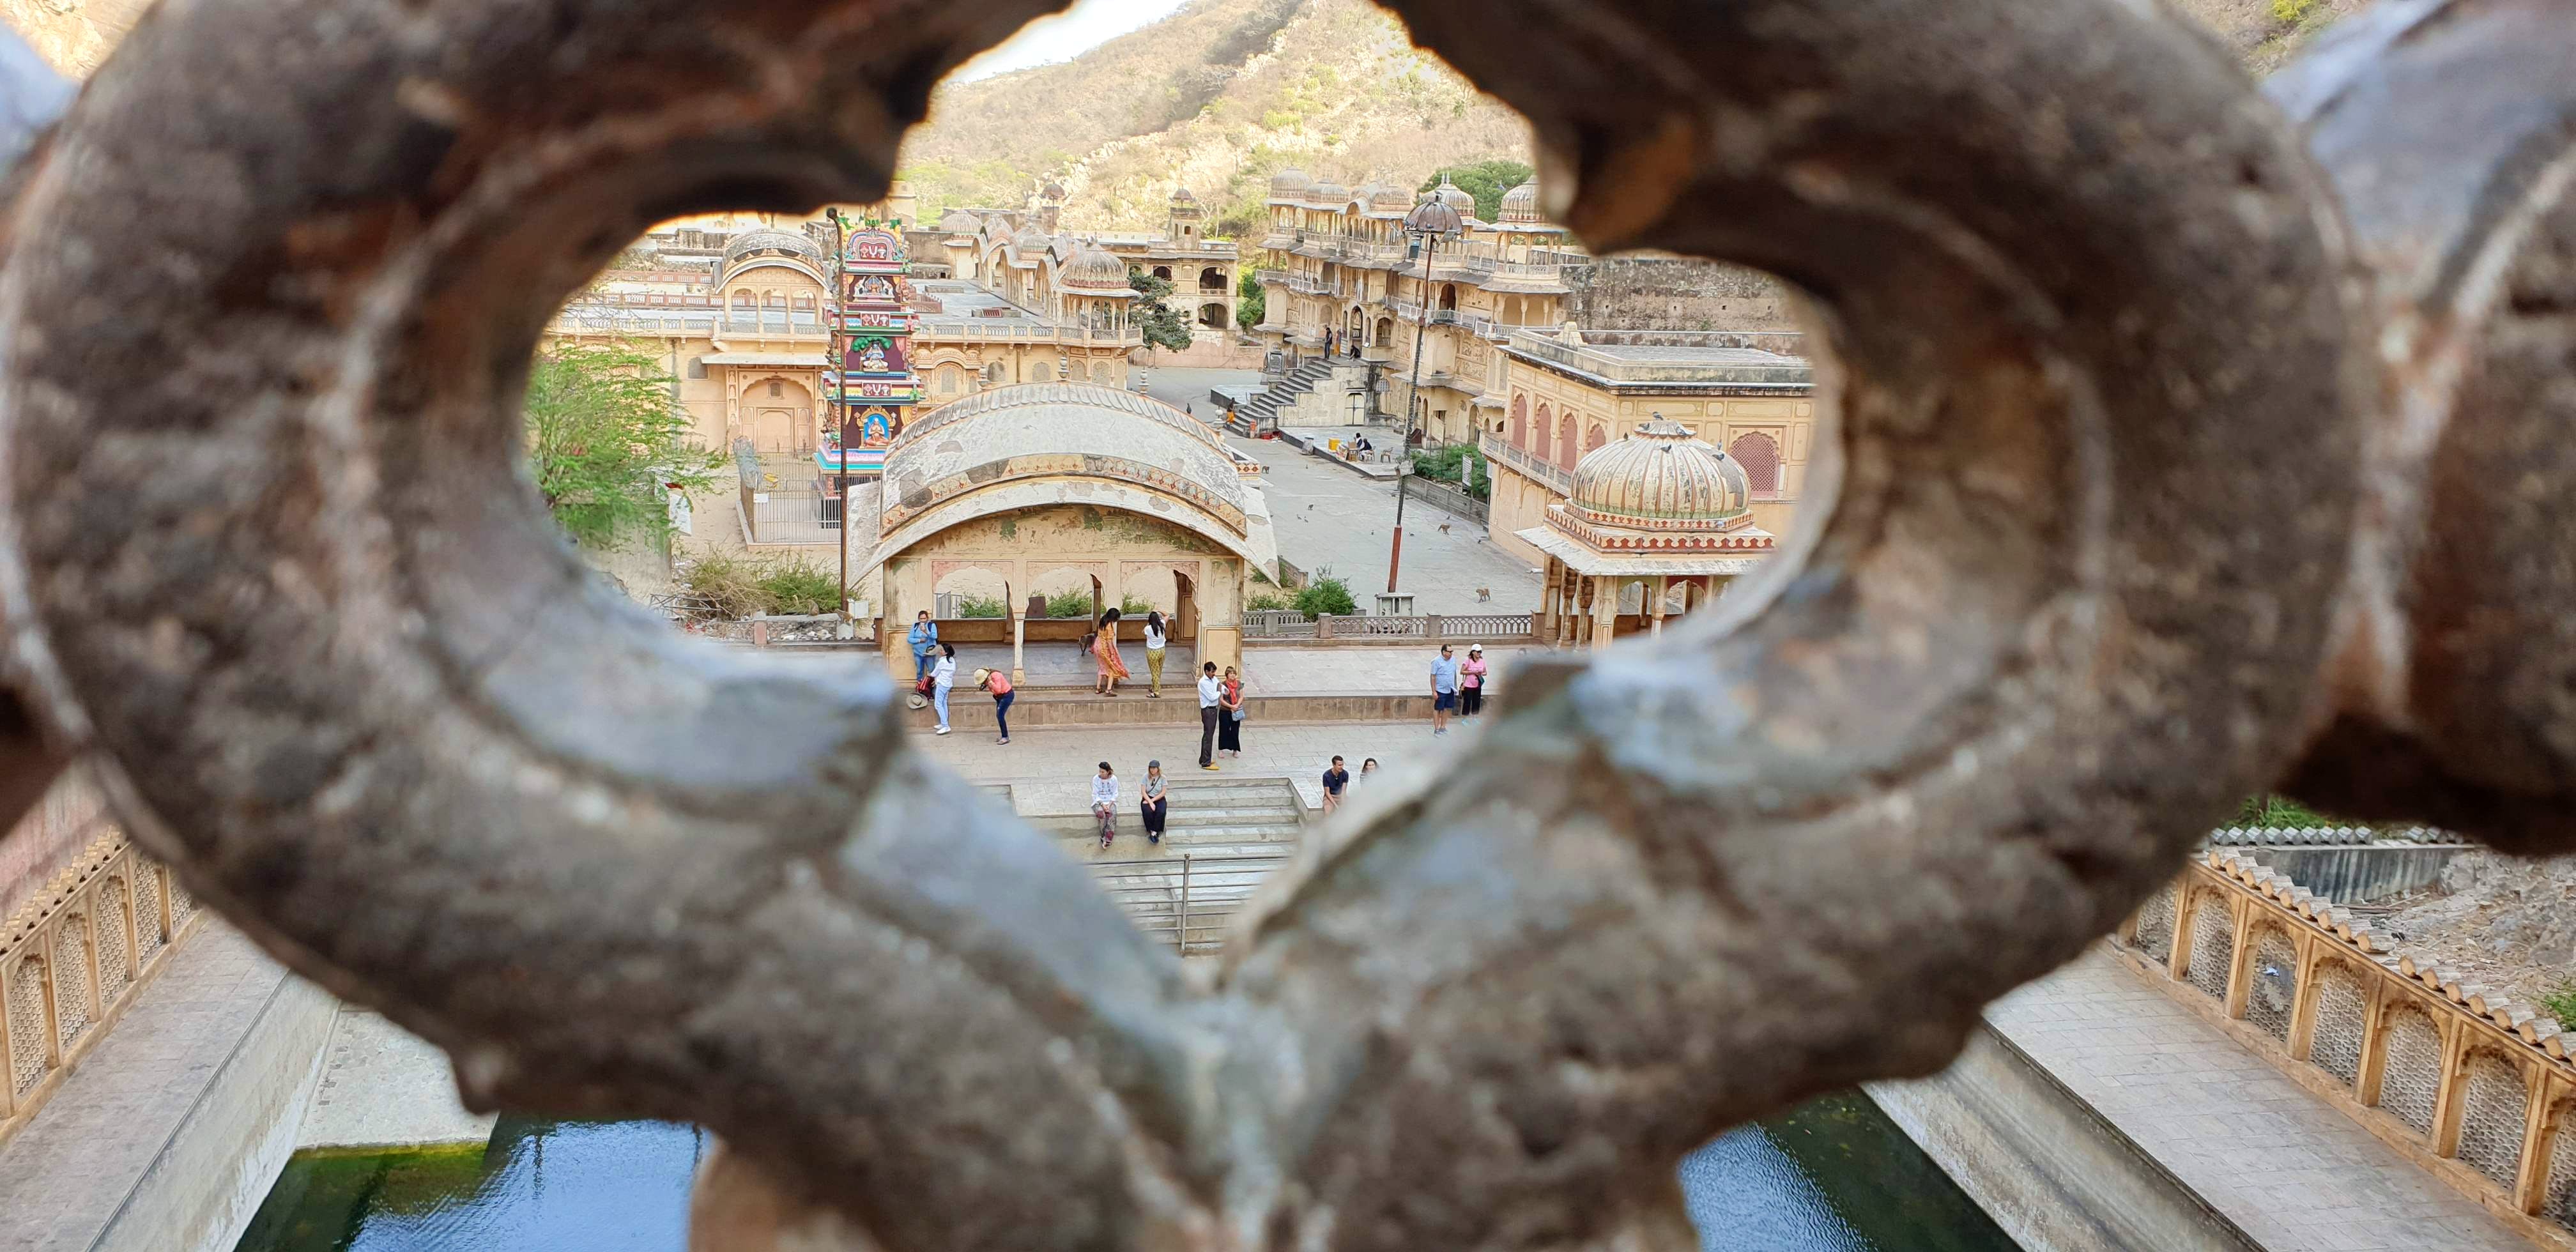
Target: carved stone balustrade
[{"x": 2184, "y": 443}]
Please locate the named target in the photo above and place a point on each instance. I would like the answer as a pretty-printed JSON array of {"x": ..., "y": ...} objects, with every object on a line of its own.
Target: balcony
[{"x": 1499, "y": 450}]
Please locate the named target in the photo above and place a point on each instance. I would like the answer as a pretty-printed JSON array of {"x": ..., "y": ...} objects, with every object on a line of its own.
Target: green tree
[
  {"x": 1251, "y": 306},
  {"x": 606, "y": 434},
  {"x": 1326, "y": 595},
  {"x": 1164, "y": 325},
  {"x": 1485, "y": 180}
]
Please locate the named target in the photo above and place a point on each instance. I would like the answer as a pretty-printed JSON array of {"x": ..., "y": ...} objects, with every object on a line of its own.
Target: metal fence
[
  {"x": 790, "y": 517},
  {"x": 1187, "y": 902},
  {"x": 1442, "y": 495}
]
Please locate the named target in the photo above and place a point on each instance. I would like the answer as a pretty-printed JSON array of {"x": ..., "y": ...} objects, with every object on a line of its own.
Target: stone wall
[
  {"x": 2466, "y": 1081},
  {"x": 1676, "y": 293},
  {"x": 48, "y": 837}
]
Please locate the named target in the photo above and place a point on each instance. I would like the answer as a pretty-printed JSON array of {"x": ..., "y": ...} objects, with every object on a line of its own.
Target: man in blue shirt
[
  {"x": 925, "y": 644},
  {"x": 1444, "y": 690}
]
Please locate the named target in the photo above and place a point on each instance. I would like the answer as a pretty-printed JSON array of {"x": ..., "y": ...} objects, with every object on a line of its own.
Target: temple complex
[
  {"x": 1338, "y": 269},
  {"x": 1657, "y": 525}
]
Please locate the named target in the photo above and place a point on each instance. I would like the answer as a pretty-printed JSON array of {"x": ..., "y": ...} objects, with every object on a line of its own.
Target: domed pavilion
[{"x": 1660, "y": 519}]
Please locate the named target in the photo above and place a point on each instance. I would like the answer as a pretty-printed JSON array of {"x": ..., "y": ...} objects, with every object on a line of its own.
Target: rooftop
[{"x": 1667, "y": 359}]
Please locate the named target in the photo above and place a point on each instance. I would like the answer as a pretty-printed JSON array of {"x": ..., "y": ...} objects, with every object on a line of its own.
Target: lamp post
[
  {"x": 836, "y": 360},
  {"x": 1430, "y": 222}
]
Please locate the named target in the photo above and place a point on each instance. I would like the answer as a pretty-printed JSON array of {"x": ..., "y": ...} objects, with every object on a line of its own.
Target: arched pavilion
[
  {"x": 1029, "y": 486},
  {"x": 1661, "y": 513}
]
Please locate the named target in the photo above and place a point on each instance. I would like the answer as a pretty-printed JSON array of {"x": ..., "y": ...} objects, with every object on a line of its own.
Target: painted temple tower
[{"x": 872, "y": 391}]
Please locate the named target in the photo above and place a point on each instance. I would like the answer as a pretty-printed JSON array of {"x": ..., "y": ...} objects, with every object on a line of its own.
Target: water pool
[{"x": 1834, "y": 1176}]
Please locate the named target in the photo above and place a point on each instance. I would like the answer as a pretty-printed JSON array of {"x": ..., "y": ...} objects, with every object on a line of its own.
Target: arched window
[
  {"x": 1449, "y": 296},
  {"x": 1520, "y": 421},
  {"x": 993, "y": 373},
  {"x": 1539, "y": 433},
  {"x": 1760, "y": 458},
  {"x": 1599, "y": 436},
  {"x": 1038, "y": 372},
  {"x": 1077, "y": 371},
  {"x": 1565, "y": 454},
  {"x": 950, "y": 379}
]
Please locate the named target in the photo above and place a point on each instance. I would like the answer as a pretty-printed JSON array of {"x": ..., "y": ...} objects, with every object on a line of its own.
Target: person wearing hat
[
  {"x": 999, "y": 684},
  {"x": 1471, "y": 682},
  {"x": 1158, "y": 805}
]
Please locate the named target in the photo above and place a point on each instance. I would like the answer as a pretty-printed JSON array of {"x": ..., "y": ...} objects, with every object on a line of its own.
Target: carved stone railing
[
  {"x": 2187, "y": 445},
  {"x": 73, "y": 957},
  {"x": 2473, "y": 1085}
]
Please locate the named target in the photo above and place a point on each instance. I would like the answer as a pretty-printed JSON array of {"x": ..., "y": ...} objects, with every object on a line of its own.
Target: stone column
[
  {"x": 1584, "y": 624},
  {"x": 1019, "y": 611},
  {"x": 1605, "y": 621},
  {"x": 1655, "y": 592},
  {"x": 1545, "y": 626}
]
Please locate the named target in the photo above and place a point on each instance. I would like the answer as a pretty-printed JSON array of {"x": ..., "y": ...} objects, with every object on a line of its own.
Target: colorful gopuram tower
[{"x": 871, "y": 388}]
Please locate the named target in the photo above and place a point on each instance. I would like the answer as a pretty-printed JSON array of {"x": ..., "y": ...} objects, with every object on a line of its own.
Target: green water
[{"x": 1834, "y": 1176}]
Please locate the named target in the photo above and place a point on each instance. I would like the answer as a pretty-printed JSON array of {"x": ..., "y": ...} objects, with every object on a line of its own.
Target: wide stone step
[{"x": 1186, "y": 837}]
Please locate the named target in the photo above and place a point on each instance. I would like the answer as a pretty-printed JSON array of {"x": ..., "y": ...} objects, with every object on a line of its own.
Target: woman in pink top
[{"x": 1471, "y": 682}]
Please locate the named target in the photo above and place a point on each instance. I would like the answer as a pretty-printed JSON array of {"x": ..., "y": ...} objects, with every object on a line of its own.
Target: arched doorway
[
  {"x": 1211, "y": 279},
  {"x": 1212, "y": 316}
]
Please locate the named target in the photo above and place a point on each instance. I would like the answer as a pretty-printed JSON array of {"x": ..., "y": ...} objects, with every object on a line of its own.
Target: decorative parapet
[
  {"x": 72, "y": 958},
  {"x": 2325, "y": 836},
  {"x": 2472, "y": 1084}
]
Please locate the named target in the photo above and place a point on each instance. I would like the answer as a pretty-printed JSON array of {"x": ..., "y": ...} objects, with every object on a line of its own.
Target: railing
[
  {"x": 2476, "y": 1086},
  {"x": 72, "y": 958},
  {"x": 790, "y": 517},
  {"x": 1189, "y": 901},
  {"x": 990, "y": 328},
  {"x": 1445, "y": 496},
  {"x": 1469, "y": 627},
  {"x": 1499, "y": 449}
]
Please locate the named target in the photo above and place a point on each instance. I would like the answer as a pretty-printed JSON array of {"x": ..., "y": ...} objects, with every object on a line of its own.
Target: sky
[{"x": 1089, "y": 24}]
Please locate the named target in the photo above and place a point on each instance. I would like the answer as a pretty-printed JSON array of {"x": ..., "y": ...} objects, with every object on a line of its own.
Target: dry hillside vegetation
[
  {"x": 1225, "y": 92},
  {"x": 1216, "y": 98}
]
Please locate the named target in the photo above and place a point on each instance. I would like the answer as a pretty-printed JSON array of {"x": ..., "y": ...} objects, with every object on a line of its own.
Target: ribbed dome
[
  {"x": 1661, "y": 477},
  {"x": 1387, "y": 196},
  {"x": 1327, "y": 193},
  {"x": 1094, "y": 270},
  {"x": 1181, "y": 195},
  {"x": 1052, "y": 191},
  {"x": 1290, "y": 179},
  {"x": 1520, "y": 204},
  {"x": 770, "y": 240},
  {"x": 960, "y": 222},
  {"x": 1455, "y": 197},
  {"x": 1030, "y": 240}
]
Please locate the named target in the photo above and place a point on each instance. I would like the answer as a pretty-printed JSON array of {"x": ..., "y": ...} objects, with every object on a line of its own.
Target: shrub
[
  {"x": 981, "y": 606},
  {"x": 730, "y": 586},
  {"x": 1326, "y": 595},
  {"x": 1443, "y": 464},
  {"x": 2561, "y": 1003},
  {"x": 795, "y": 587},
  {"x": 737, "y": 587},
  {"x": 1133, "y": 605},
  {"x": 1268, "y": 602},
  {"x": 1069, "y": 604},
  {"x": 2282, "y": 813}
]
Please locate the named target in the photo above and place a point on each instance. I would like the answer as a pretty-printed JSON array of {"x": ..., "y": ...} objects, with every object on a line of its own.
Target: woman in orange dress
[{"x": 1104, "y": 646}]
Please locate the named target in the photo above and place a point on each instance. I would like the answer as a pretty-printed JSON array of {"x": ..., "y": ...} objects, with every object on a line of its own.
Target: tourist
[
  {"x": 1367, "y": 768},
  {"x": 1158, "y": 806},
  {"x": 943, "y": 675},
  {"x": 1104, "y": 802},
  {"x": 1471, "y": 682},
  {"x": 1444, "y": 690},
  {"x": 1229, "y": 728},
  {"x": 999, "y": 684},
  {"x": 925, "y": 644},
  {"x": 1211, "y": 695},
  {"x": 1104, "y": 647},
  {"x": 1336, "y": 781},
  {"x": 1154, "y": 641}
]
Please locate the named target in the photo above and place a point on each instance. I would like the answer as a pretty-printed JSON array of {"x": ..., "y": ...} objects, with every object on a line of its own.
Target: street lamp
[
  {"x": 836, "y": 362},
  {"x": 1430, "y": 222}
]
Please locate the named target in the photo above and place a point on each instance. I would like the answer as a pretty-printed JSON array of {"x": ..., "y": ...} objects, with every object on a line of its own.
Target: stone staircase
[
  {"x": 1225, "y": 838},
  {"x": 1316, "y": 392}
]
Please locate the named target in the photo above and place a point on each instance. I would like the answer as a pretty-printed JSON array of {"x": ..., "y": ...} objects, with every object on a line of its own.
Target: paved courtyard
[
  {"x": 2285, "y": 1166},
  {"x": 1331, "y": 520},
  {"x": 1051, "y": 769}
]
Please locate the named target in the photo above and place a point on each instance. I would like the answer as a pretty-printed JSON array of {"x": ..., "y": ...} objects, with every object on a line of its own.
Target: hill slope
[
  {"x": 1215, "y": 97},
  {"x": 1224, "y": 92}
]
